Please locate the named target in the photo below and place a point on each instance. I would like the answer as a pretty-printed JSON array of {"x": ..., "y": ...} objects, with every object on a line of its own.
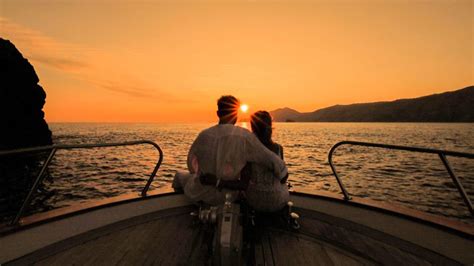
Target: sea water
[{"x": 414, "y": 180}]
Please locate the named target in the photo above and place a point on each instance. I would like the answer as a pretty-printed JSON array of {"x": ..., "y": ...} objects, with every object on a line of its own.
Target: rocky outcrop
[
  {"x": 22, "y": 125},
  {"x": 21, "y": 102}
]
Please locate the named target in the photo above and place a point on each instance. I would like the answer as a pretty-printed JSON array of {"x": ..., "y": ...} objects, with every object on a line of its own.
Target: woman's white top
[{"x": 265, "y": 192}]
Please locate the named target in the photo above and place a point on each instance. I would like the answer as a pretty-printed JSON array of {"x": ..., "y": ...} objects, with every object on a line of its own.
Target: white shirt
[{"x": 223, "y": 150}]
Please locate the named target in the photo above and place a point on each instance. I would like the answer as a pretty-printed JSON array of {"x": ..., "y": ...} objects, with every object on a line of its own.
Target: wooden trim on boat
[
  {"x": 40, "y": 233},
  {"x": 448, "y": 238},
  {"x": 458, "y": 227},
  {"x": 60, "y": 213},
  {"x": 455, "y": 243},
  {"x": 338, "y": 236},
  {"x": 44, "y": 252}
]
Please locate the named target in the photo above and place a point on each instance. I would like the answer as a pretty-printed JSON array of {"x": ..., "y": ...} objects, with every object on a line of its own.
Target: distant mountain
[
  {"x": 453, "y": 106},
  {"x": 285, "y": 114}
]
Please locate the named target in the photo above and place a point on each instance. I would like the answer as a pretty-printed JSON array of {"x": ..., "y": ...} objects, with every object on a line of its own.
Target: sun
[{"x": 244, "y": 108}]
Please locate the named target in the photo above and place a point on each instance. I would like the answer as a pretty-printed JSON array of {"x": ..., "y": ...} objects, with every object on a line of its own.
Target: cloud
[
  {"x": 42, "y": 49},
  {"x": 81, "y": 62},
  {"x": 133, "y": 91},
  {"x": 65, "y": 64}
]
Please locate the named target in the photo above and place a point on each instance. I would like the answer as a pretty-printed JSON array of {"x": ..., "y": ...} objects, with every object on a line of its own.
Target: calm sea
[{"x": 415, "y": 180}]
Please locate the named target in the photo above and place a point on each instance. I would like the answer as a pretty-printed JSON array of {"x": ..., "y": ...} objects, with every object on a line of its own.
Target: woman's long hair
[{"x": 261, "y": 122}]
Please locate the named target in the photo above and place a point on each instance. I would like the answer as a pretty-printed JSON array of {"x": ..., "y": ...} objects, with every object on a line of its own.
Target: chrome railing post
[
  {"x": 54, "y": 148},
  {"x": 33, "y": 189},
  {"x": 333, "y": 168},
  {"x": 458, "y": 183},
  {"x": 442, "y": 154},
  {"x": 153, "y": 174}
]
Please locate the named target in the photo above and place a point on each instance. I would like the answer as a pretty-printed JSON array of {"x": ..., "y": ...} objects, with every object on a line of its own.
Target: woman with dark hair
[{"x": 265, "y": 191}]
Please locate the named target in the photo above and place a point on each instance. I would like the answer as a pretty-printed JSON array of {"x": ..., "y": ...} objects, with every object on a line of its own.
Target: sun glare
[{"x": 244, "y": 108}]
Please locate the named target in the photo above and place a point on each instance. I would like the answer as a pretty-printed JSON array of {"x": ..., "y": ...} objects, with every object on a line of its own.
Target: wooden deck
[
  {"x": 169, "y": 237},
  {"x": 284, "y": 248}
]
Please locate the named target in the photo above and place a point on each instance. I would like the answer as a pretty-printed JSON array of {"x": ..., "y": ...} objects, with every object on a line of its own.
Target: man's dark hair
[{"x": 227, "y": 108}]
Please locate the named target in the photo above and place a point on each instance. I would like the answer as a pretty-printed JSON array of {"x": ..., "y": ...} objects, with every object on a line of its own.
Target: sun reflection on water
[{"x": 244, "y": 125}]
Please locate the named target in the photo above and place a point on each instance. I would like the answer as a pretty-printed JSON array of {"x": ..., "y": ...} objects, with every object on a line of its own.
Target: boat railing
[
  {"x": 441, "y": 153},
  {"x": 52, "y": 151}
]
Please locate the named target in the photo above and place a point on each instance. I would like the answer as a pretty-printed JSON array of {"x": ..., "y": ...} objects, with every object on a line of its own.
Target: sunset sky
[{"x": 168, "y": 61}]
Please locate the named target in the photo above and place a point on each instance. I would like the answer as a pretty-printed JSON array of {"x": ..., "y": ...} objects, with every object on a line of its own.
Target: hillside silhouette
[{"x": 453, "y": 106}]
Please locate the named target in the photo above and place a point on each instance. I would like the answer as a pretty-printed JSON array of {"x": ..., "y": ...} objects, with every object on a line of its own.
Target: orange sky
[{"x": 165, "y": 61}]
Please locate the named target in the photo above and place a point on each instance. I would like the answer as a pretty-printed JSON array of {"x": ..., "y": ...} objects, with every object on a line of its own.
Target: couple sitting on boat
[{"x": 225, "y": 159}]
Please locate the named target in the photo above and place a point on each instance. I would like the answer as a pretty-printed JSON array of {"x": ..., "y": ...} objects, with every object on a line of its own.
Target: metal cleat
[{"x": 293, "y": 216}]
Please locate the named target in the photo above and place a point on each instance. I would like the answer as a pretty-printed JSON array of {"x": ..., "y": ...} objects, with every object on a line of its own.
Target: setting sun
[
  {"x": 244, "y": 108},
  {"x": 168, "y": 61}
]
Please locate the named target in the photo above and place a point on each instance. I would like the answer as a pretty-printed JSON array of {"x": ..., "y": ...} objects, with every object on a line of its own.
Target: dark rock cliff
[
  {"x": 21, "y": 102},
  {"x": 22, "y": 125}
]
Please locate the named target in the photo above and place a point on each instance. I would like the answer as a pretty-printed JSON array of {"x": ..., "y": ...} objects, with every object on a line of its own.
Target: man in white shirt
[{"x": 222, "y": 151}]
